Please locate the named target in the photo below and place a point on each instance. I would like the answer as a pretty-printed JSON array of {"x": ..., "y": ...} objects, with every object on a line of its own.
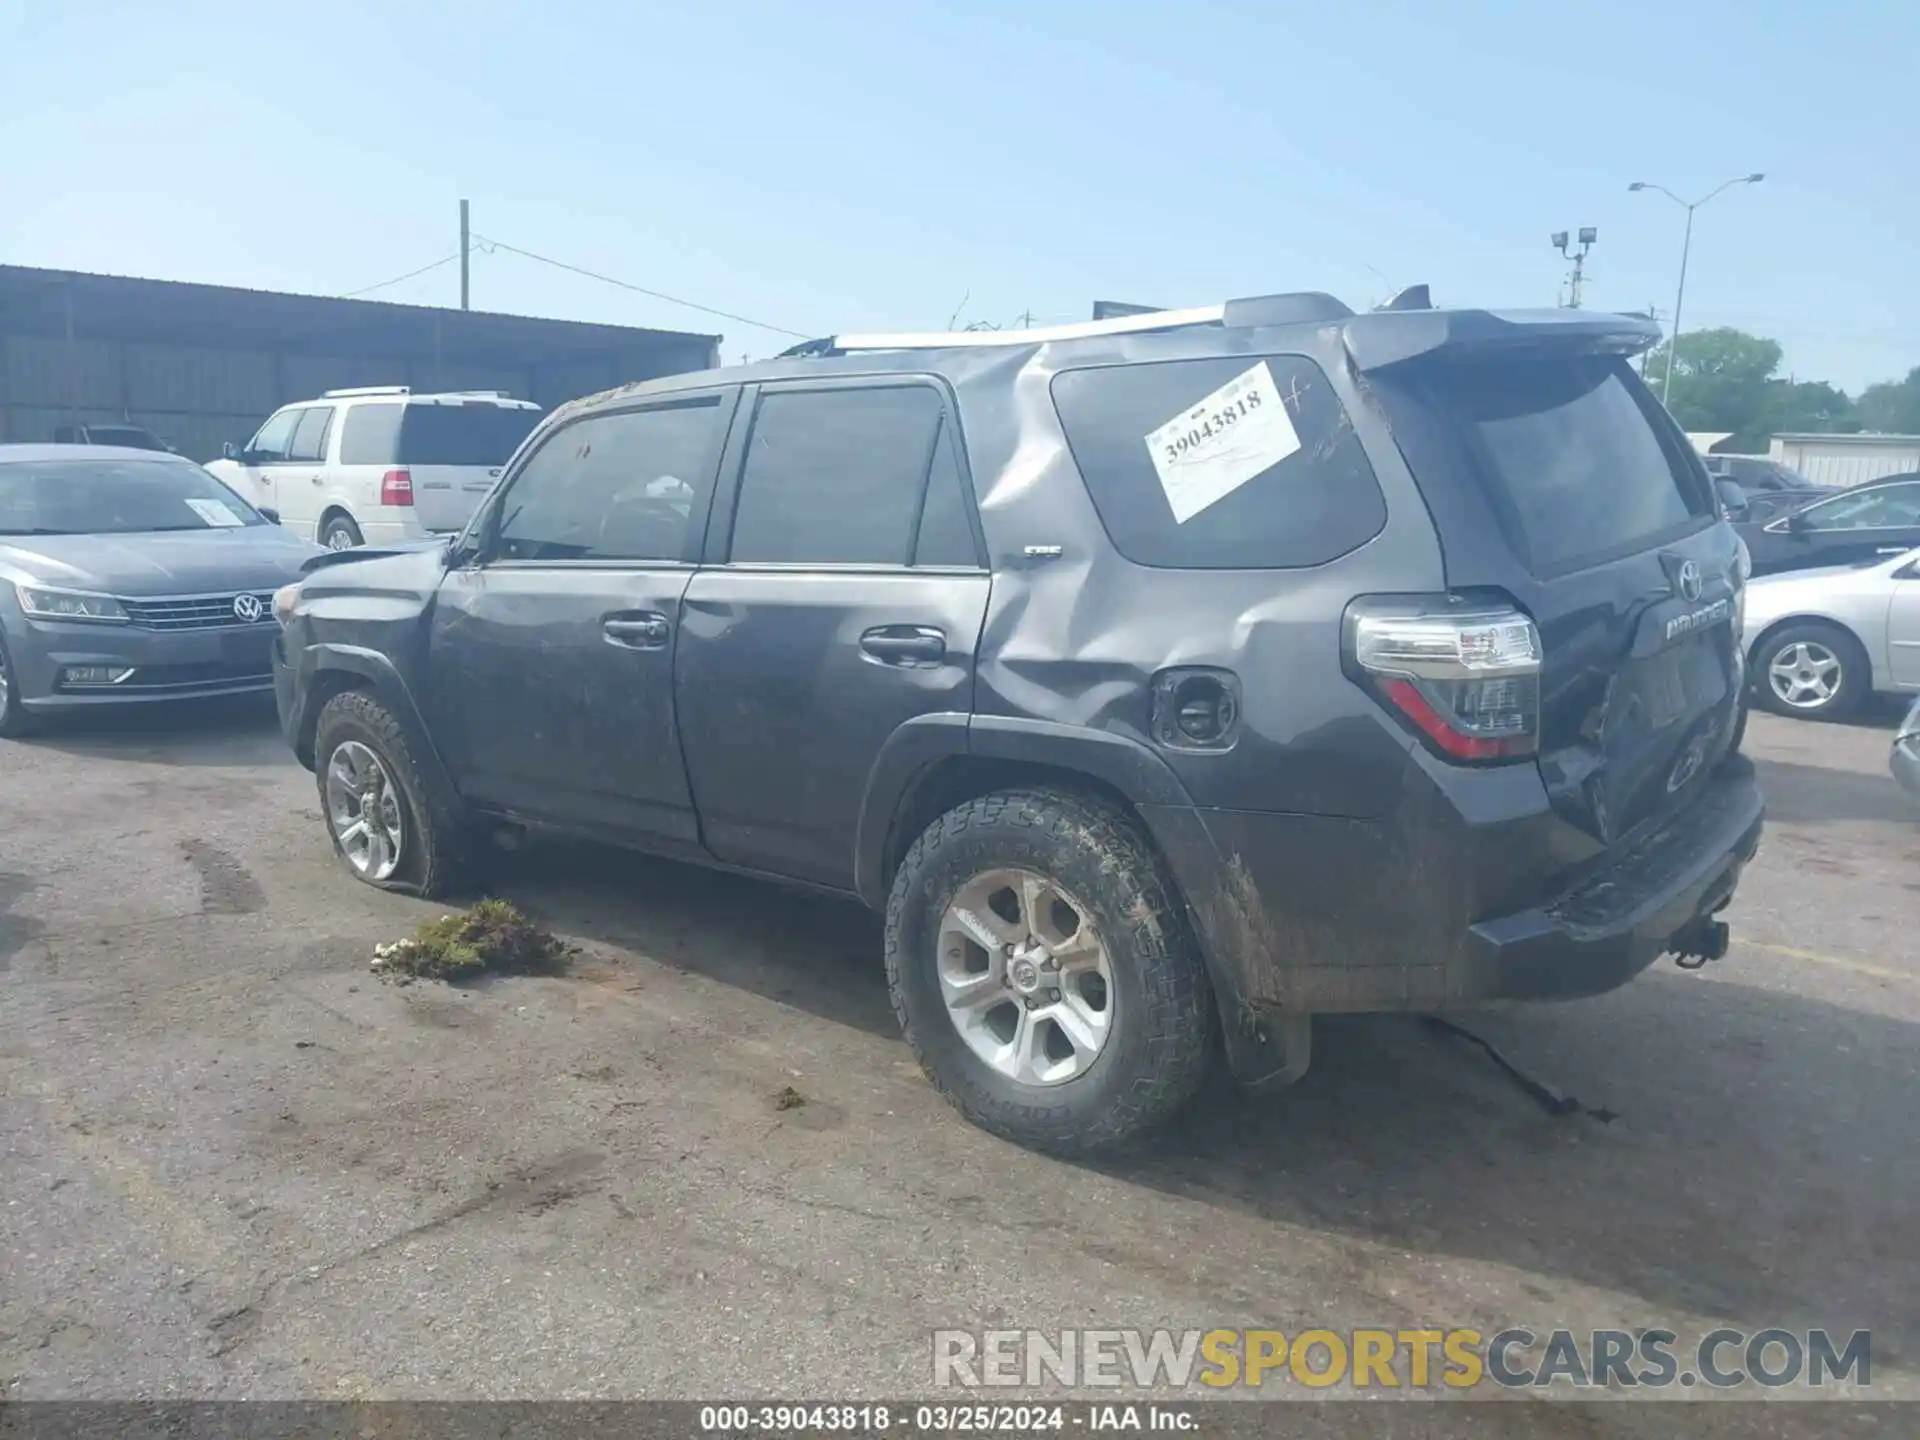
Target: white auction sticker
[
  {"x": 1232, "y": 435},
  {"x": 212, "y": 511}
]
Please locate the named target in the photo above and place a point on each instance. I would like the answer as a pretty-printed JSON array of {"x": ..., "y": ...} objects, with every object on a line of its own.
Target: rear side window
[
  {"x": 371, "y": 435},
  {"x": 836, "y": 476},
  {"x": 1572, "y": 453},
  {"x": 463, "y": 434},
  {"x": 1238, "y": 463}
]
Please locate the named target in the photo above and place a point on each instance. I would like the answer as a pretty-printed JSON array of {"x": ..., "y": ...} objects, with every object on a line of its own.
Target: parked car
[
  {"x": 1758, "y": 475},
  {"x": 1820, "y": 641},
  {"x": 1165, "y": 680},
  {"x": 128, "y": 577},
  {"x": 1879, "y": 518},
  {"x": 126, "y": 436},
  {"x": 1906, "y": 752},
  {"x": 378, "y": 465}
]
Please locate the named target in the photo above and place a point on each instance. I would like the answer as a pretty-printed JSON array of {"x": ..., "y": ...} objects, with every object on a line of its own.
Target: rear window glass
[
  {"x": 1571, "y": 452},
  {"x": 372, "y": 435},
  {"x": 463, "y": 434},
  {"x": 1239, "y": 463}
]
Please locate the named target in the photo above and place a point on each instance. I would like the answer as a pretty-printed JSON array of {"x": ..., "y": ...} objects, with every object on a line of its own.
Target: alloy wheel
[
  {"x": 363, "y": 810},
  {"x": 1025, "y": 977},
  {"x": 1805, "y": 675}
]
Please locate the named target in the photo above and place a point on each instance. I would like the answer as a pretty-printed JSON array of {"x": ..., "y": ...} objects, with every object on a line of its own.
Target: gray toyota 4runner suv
[{"x": 1166, "y": 681}]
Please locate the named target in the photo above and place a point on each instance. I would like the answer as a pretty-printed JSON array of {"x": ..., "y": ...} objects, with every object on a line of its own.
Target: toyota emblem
[
  {"x": 1687, "y": 582},
  {"x": 249, "y": 608}
]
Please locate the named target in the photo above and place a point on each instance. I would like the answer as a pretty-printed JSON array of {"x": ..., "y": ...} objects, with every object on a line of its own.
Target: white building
[{"x": 1847, "y": 459}]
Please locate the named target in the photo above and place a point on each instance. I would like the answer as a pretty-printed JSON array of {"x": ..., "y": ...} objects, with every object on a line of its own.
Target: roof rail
[
  {"x": 366, "y": 390},
  {"x": 1086, "y": 329}
]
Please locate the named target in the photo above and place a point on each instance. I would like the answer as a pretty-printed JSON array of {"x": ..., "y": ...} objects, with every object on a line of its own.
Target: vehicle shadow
[
  {"x": 813, "y": 952},
  {"x": 242, "y": 731},
  {"x": 1800, "y": 794},
  {"x": 1745, "y": 1161}
]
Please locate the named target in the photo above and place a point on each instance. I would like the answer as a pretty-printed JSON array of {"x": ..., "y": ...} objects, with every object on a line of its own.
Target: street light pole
[{"x": 1686, "y": 248}]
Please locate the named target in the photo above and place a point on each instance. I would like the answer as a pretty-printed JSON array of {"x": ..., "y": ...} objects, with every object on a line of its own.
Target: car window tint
[
  {"x": 1233, "y": 463},
  {"x": 474, "y": 433},
  {"x": 270, "y": 443},
  {"x": 623, "y": 486},
  {"x": 835, "y": 476},
  {"x": 310, "y": 435},
  {"x": 946, "y": 531},
  {"x": 371, "y": 435},
  {"x": 1881, "y": 508}
]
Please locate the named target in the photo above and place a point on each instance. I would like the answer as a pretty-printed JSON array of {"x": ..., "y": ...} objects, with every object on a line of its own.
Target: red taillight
[
  {"x": 1468, "y": 680},
  {"x": 396, "y": 487}
]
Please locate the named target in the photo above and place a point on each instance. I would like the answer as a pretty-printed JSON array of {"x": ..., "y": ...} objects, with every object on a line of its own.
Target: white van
[{"x": 378, "y": 465}]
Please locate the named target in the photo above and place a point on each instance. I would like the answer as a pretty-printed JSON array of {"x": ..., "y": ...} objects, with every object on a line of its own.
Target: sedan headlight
[
  {"x": 45, "y": 604},
  {"x": 284, "y": 599}
]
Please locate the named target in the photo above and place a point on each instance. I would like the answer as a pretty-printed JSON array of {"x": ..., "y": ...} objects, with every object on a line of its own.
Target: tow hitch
[{"x": 1703, "y": 940}]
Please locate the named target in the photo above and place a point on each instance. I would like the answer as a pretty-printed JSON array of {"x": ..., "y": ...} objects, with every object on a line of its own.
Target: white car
[
  {"x": 378, "y": 465},
  {"x": 1820, "y": 641}
]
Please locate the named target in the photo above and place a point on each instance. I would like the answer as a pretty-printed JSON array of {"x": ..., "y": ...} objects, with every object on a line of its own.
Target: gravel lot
[{"x": 234, "y": 1164}]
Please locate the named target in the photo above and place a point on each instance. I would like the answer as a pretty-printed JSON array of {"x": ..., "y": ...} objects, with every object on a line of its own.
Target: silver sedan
[
  {"x": 1820, "y": 641},
  {"x": 128, "y": 577}
]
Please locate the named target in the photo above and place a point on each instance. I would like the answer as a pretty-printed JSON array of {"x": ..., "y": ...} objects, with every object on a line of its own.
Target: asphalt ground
[{"x": 235, "y": 1164}]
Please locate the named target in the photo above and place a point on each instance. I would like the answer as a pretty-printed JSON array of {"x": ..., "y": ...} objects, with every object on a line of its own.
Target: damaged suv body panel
[{"x": 1180, "y": 633}]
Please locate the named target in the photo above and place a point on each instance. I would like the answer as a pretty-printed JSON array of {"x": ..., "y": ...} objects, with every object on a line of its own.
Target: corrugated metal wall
[
  {"x": 1836, "y": 460},
  {"x": 199, "y": 395}
]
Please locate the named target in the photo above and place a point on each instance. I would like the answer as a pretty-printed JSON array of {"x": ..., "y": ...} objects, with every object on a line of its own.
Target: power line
[
  {"x": 487, "y": 244},
  {"x": 369, "y": 289}
]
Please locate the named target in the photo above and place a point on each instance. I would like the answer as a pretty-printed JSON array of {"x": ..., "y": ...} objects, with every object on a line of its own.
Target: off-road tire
[
  {"x": 1165, "y": 1037},
  {"x": 341, "y": 525},
  {"x": 1856, "y": 679},
  {"x": 437, "y": 855}
]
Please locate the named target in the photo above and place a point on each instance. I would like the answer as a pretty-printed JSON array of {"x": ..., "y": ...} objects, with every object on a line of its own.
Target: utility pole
[
  {"x": 1686, "y": 246},
  {"x": 1579, "y": 258},
  {"x": 465, "y": 249}
]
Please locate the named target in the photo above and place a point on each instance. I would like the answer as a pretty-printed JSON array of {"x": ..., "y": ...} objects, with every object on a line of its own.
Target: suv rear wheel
[
  {"x": 384, "y": 827},
  {"x": 1043, "y": 974},
  {"x": 1813, "y": 670}
]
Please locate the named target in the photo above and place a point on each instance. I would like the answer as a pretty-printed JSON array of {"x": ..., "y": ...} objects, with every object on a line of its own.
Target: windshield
[{"x": 115, "y": 497}]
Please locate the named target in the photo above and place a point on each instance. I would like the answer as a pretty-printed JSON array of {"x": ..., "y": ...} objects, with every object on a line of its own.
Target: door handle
[
  {"x": 905, "y": 645},
  {"x": 636, "y": 632}
]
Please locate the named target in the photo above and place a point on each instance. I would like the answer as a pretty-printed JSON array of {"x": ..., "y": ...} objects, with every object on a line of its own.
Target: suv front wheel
[
  {"x": 1044, "y": 976},
  {"x": 383, "y": 824}
]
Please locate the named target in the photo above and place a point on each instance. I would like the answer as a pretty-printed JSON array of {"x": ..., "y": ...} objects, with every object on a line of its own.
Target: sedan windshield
[{"x": 115, "y": 497}]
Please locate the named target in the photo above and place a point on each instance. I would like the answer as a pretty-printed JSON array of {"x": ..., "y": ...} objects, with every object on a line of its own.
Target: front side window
[
  {"x": 310, "y": 435},
  {"x": 622, "y": 486},
  {"x": 1888, "y": 507},
  {"x": 115, "y": 497},
  {"x": 270, "y": 444},
  {"x": 836, "y": 477}
]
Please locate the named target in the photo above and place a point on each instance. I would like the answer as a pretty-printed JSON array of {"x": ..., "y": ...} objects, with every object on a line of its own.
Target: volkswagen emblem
[
  {"x": 1687, "y": 580},
  {"x": 249, "y": 608}
]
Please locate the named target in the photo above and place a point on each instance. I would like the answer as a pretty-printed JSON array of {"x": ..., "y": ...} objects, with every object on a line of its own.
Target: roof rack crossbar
[
  {"x": 1082, "y": 330},
  {"x": 366, "y": 390}
]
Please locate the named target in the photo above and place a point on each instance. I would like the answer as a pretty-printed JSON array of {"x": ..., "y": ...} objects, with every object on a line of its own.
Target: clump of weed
[{"x": 493, "y": 937}]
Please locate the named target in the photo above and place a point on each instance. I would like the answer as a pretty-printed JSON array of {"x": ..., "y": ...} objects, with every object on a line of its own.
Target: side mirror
[
  {"x": 272, "y": 515},
  {"x": 1798, "y": 524},
  {"x": 1733, "y": 499}
]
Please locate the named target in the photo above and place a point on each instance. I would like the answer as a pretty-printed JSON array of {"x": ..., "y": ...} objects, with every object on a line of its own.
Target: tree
[
  {"x": 1720, "y": 380},
  {"x": 1892, "y": 406},
  {"x": 1799, "y": 407}
]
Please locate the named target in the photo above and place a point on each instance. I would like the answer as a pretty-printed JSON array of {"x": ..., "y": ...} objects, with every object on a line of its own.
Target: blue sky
[{"x": 837, "y": 165}]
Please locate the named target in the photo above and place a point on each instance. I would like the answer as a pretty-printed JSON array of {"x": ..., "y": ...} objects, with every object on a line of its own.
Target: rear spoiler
[{"x": 1384, "y": 339}]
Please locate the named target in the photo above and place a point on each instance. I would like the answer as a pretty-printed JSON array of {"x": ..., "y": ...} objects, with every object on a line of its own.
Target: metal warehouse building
[
  {"x": 1847, "y": 459},
  {"x": 203, "y": 364}
]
